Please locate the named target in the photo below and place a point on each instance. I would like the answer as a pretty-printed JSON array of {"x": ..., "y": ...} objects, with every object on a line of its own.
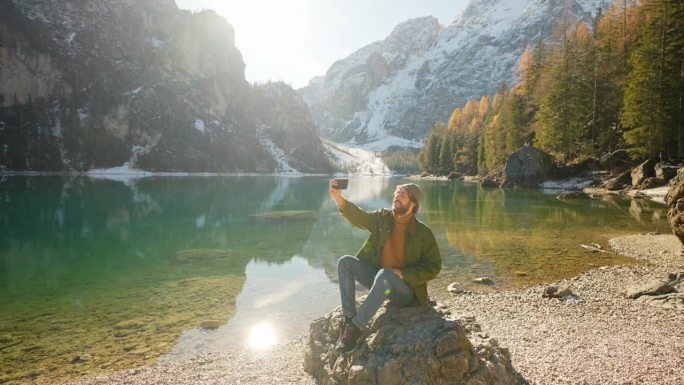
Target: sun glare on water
[{"x": 262, "y": 336}]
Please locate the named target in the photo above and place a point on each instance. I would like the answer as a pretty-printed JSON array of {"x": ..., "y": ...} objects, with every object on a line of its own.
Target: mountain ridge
[
  {"x": 93, "y": 85},
  {"x": 469, "y": 58}
]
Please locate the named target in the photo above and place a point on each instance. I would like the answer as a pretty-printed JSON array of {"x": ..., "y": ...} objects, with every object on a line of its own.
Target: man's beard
[{"x": 400, "y": 210}]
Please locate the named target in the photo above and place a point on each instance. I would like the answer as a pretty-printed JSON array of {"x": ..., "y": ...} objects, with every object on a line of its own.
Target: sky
[{"x": 295, "y": 40}]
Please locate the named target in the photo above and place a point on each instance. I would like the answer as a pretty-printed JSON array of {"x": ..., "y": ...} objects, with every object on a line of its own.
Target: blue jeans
[{"x": 382, "y": 283}]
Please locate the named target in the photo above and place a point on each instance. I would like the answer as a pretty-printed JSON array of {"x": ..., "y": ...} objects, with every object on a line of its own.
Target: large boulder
[
  {"x": 665, "y": 171},
  {"x": 616, "y": 160},
  {"x": 651, "y": 182},
  {"x": 409, "y": 346},
  {"x": 643, "y": 171},
  {"x": 527, "y": 167},
  {"x": 675, "y": 202},
  {"x": 620, "y": 182}
]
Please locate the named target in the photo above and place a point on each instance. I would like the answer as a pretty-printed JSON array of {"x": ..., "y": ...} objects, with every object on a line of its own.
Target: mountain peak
[
  {"x": 413, "y": 35},
  {"x": 403, "y": 85}
]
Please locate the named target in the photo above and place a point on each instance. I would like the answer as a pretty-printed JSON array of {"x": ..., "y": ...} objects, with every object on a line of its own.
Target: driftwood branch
[{"x": 595, "y": 247}]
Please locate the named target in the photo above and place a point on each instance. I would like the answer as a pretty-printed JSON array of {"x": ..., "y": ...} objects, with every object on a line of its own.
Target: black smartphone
[{"x": 342, "y": 183}]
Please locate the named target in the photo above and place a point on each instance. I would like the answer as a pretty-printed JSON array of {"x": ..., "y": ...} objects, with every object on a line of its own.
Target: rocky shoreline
[{"x": 600, "y": 336}]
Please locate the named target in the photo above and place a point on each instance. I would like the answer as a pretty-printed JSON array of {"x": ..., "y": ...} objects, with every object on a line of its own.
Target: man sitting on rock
[{"x": 398, "y": 259}]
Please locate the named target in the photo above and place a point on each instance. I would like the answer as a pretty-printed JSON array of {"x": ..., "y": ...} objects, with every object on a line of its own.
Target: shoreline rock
[
  {"x": 675, "y": 201},
  {"x": 409, "y": 345}
]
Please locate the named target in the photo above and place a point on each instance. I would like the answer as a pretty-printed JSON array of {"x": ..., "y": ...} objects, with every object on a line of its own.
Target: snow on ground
[
  {"x": 390, "y": 141},
  {"x": 278, "y": 155},
  {"x": 133, "y": 92},
  {"x": 70, "y": 38},
  {"x": 355, "y": 160},
  {"x": 577, "y": 183},
  {"x": 656, "y": 194},
  {"x": 156, "y": 43},
  {"x": 580, "y": 183},
  {"x": 199, "y": 125},
  {"x": 127, "y": 172}
]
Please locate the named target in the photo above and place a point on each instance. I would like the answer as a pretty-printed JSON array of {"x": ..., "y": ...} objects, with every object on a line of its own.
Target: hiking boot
[{"x": 349, "y": 339}]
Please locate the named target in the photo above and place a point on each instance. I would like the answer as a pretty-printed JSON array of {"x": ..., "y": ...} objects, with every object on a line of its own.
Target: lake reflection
[{"x": 100, "y": 275}]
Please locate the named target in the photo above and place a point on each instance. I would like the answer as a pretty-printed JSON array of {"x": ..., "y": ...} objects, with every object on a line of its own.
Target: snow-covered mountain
[{"x": 392, "y": 91}]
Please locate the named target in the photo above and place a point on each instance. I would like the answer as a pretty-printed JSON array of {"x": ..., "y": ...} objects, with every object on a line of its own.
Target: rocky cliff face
[
  {"x": 399, "y": 87},
  {"x": 89, "y": 84}
]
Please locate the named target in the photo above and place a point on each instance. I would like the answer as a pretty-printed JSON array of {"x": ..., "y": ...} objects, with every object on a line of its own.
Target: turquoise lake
[{"x": 100, "y": 275}]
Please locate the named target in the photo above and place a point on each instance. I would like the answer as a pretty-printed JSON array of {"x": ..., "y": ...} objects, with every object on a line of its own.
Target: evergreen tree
[
  {"x": 654, "y": 91},
  {"x": 428, "y": 158},
  {"x": 445, "y": 162},
  {"x": 514, "y": 121},
  {"x": 533, "y": 72},
  {"x": 565, "y": 111}
]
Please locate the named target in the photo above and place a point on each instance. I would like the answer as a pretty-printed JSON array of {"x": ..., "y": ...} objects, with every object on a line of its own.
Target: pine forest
[{"x": 614, "y": 85}]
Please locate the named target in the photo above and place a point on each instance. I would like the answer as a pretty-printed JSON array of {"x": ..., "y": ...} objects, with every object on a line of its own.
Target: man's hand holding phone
[{"x": 335, "y": 190}]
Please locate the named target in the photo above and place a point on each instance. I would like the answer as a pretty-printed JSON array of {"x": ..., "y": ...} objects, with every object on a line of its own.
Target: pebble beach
[{"x": 601, "y": 337}]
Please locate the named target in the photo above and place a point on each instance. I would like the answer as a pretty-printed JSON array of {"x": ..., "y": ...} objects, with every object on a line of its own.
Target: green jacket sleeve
[
  {"x": 429, "y": 265},
  {"x": 358, "y": 217}
]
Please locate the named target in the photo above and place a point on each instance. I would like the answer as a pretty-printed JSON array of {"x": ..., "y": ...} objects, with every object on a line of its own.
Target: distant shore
[{"x": 601, "y": 338}]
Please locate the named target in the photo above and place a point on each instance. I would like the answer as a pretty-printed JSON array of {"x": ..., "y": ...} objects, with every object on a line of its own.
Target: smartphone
[{"x": 342, "y": 183}]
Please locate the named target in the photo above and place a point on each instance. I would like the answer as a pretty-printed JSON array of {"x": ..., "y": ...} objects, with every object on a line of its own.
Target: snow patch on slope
[
  {"x": 199, "y": 125},
  {"x": 283, "y": 165},
  {"x": 355, "y": 160},
  {"x": 128, "y": 171}
]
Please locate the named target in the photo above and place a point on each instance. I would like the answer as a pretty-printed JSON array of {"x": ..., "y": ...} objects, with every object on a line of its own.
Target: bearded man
[{"x": 397, "y": 260}]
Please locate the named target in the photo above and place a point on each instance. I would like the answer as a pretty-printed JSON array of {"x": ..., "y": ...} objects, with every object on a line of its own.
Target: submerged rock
[
  {"x": 572, "y": 195},
  {"x": 488, "y": 182},
  {"x": 454, "y": 175},
  {"x": 210, "y": 324},
  {"x": 197, "y": 255},
  {"x": 81, "y": 358},
  {"x": 286, "y": 215},
  {"x": 408, "y": 346}
]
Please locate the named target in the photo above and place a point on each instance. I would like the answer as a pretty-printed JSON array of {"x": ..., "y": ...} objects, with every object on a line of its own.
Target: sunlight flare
[{"x": 262, "y": 336}]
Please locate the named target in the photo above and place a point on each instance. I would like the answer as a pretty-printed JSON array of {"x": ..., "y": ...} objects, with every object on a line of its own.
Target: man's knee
[
  {"x": 384, "y": 274},
  {"x": 346, "y": 261}
]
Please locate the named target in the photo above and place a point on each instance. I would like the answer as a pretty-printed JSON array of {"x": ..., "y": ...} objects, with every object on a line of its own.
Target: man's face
[{"x": 402, "y": 203}]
